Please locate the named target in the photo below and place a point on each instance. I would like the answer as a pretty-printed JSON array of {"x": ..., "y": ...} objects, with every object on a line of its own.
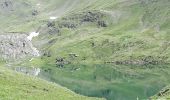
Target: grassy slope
[
  {"x": 15, "y": 86},
  {"x": 24, "y": 21},
  {"x": 132, "y": 38}
]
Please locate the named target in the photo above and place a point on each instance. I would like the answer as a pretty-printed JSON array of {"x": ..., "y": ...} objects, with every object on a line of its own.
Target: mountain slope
[
  {"x": 117, "y": 49},
  {"x": 124, "y": 56}
]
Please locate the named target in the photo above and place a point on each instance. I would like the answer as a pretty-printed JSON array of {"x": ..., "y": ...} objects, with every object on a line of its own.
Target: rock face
[
  {"x": 28, "y": 71},
  {"x": 75, "y": 20},
  {"x": 15, "y": 46},
  {"x": 6, "y": 5}
]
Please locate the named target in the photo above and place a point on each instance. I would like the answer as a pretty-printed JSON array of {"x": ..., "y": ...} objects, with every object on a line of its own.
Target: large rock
[
  {"x": 6, "y": 5},
  {"x": 15, "y": 46}
]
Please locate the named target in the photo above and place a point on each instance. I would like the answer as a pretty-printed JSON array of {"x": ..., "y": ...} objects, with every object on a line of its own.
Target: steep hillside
[{"x": 116, "y": 49}]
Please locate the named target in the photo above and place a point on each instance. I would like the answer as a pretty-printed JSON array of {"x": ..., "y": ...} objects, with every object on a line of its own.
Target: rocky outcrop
[
  {"x": 163, "y": 92},
  {"x": 6, "y": 5},
  {"x": 96, "y": 18},
  {"x": 35, "y": 12},
  {"x": 142, "y": 60},
  {"x": 75, "y": 20},
  {"x": 16, "y": 46},
  {"x": 28, "y": 71},
  {"x": 61, "y": 61}
]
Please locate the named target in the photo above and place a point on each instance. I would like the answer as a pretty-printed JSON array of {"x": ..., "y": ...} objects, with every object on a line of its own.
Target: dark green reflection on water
[{"x": 114, "y": 82}]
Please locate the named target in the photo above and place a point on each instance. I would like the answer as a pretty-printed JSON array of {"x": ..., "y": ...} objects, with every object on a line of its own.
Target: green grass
[
  {"x": 15, "y": 86},
  {"x": 123, "y": 41},
  {"x": 139, "y": 31}
]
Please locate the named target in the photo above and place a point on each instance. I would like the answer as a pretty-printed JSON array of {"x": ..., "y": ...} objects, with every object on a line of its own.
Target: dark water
[{"x": 114, "y": 82}]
